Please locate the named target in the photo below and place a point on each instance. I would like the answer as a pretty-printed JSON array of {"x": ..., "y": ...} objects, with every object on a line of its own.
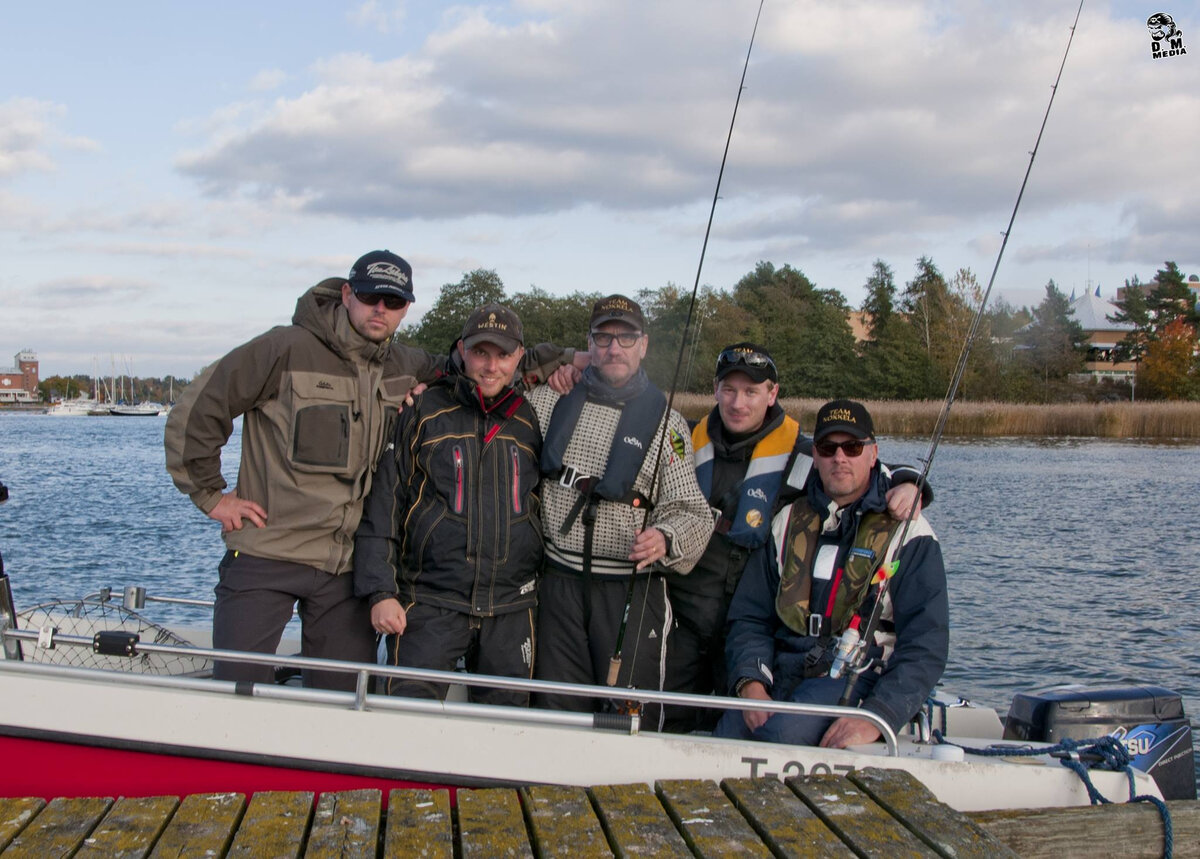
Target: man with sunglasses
[
  {"x": 751, "y": 459},
  {"x": 317, "y": 398},
  {"x": 812, "y": 580},
  {"x": 620, "y": 505}
]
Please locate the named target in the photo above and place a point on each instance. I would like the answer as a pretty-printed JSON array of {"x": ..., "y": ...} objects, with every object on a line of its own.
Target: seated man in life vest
[{"x": 814, "y": 577}]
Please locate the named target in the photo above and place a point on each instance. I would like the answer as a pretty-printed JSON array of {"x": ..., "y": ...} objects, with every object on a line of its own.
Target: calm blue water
[{"x": 1069, "y": 561}]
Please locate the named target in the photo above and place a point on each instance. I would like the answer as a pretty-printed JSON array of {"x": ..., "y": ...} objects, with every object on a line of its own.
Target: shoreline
[
  {"x": 1151, "y": 421},
  {"x": 1158, "y": 421}
]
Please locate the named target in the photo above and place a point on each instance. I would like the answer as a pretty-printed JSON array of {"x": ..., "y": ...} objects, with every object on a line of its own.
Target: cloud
[
  {"x": 383, "y": 17},
  {"x": 267, "y": 80},
  {"x": 860, "y": 115},
  {"x": 25, "y": 132}
]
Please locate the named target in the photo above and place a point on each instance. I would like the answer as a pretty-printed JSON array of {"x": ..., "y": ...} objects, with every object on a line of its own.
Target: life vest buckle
[{"x": 815, "y": 623}]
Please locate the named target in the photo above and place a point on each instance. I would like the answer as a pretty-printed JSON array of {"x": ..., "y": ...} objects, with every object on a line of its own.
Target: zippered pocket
[
  {"x": 514, "y": 457},
  {"x": 458, "y": 479}
]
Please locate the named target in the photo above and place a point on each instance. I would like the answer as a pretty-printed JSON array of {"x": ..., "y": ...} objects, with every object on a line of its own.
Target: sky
[{"x": 173, "y": 176}]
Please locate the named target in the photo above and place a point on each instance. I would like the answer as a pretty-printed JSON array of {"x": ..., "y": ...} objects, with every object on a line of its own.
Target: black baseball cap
[
  {"x": 617, "y": 308},
  {"x": 749, "y": 358},
  {"x": 493, "y": 323},
  {"x": 844, "y": 416},
  {"x": 382, "y": 273}
]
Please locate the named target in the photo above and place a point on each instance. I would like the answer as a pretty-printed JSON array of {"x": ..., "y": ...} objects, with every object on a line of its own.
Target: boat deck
[{"x": 868, "y": 813}]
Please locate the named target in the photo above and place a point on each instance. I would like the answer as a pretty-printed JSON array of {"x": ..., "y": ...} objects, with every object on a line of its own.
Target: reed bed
[{"x": 1172, "y": 420}]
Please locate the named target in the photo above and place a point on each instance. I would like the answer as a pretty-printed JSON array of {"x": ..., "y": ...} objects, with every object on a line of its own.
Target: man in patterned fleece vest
[{"x": 620, "y": 501}]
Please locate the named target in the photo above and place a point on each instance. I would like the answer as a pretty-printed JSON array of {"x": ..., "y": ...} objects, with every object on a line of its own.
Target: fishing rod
[
  {"x": 851, "y": 652},
  {"x": 614, "y": 665}
]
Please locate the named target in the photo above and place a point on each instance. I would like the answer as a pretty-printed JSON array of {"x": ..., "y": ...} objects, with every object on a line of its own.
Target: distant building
[
  {"x": 19, "y": 384},
  {"x": 1092, "y": 312}
]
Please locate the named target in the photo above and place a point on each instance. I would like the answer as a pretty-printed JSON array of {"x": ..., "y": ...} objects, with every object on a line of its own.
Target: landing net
[{"x": 83, "y": 618}]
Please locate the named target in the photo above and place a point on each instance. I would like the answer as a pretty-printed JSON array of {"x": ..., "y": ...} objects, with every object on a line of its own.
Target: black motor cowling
[{"x": 1149, "y": 720}]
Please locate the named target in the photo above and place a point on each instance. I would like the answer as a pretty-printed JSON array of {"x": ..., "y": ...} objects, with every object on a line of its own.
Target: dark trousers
[
  {"x": 791, "y": 729},
  {"x": 578, "y": 626},
  {"x": 696, "y": 657},
  {"x": 255, "y": 597},
  {"x": 436, "y": 638}
]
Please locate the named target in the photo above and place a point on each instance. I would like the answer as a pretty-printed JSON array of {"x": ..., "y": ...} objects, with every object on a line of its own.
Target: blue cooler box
[{"x": 1149, "y": 720}]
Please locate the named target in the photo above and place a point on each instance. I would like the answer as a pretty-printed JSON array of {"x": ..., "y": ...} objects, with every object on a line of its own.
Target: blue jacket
[{"x": 760, "y": 647}]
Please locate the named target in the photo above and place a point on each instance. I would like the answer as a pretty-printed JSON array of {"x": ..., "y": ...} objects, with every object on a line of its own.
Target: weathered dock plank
[
  {"x": 710, "y": 823},
  {"x": 636, "y": 823},
  {"x": 947, "y": 831},
  {"x": 562, "y": 822},
  {"x": 59, "y": 829},
  {"x": 130, "y": 828},
  {"x": 345, "y": 825},
  {"x": 1133, "y": 830},
  {"x": 274, "y": 825},
  {"x": 15, "y": 815},
  {"x": 490, "y": 823},
  {"x": 203, "y": 825},
  {"x": 420, "y": 825},
  {"x": 785, "y": 824},
  {"x": 850, "y": 813}
]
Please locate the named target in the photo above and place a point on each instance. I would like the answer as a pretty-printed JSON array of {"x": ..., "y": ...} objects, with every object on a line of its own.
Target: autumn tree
[{"x": 1169, "y": 370}]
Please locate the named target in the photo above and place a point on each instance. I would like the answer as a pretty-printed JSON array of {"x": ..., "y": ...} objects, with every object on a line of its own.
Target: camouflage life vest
[{"x": 798, "y": 554}]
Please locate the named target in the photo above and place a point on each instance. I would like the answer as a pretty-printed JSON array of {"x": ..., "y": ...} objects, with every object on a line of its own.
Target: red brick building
[{"x": 19, "y": 384}]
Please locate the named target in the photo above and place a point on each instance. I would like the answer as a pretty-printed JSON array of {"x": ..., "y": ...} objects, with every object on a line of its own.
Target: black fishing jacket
[{"x": 452, "y": 519}]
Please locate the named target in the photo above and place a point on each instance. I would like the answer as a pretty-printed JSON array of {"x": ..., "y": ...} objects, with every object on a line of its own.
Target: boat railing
[{"x": 115, "y": 644}]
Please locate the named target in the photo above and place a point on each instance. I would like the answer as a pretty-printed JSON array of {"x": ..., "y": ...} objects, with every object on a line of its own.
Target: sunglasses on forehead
[
  {"x": 852, "y": 448},
  {"x": 731, "y": 357},
  {"x": 391, "y": 302}
]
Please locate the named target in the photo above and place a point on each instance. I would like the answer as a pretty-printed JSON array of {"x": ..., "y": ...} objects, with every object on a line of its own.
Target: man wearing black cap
[
  {"x": 815, "y": 578},
  {"x": 317, "y": 397},
  {"x": 620, "y": 501},
  {"x": 450, "y": 545},
  {"x": 751, "y": 458}
]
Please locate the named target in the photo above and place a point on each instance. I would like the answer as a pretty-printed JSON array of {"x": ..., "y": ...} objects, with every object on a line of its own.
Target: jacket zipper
[
  {"x": 516, "y": 479},
  {"x": 458, "y": 479}
]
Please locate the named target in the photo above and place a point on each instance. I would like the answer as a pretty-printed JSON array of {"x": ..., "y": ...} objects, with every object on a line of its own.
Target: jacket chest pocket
[{"x": 322, "y": 423}]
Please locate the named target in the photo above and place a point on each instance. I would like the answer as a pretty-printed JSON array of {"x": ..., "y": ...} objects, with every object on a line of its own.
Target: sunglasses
[
  {"x": 733, "y": 357},
  {"x": 391, "y": 302},
  {"x": 604, "y": 339},
  {"x": 852, "y": 448}
]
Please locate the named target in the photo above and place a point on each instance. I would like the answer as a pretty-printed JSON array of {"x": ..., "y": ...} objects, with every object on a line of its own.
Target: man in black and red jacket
[{"x": 450, "y": 544}]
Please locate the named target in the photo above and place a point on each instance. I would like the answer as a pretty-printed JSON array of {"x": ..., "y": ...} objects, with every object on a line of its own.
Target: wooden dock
[{"x": 871, "y": 812}]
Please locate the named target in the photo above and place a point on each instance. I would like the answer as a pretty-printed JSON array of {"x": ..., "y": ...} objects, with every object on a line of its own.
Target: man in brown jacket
[{"x": 317, "y": 399}]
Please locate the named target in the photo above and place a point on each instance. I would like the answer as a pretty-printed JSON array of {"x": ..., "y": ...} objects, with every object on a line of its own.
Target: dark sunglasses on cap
[
  {"x": 732, "y": 357},
  {"x": 391, "y": 302},
  {"x": 852, "y": 448}
]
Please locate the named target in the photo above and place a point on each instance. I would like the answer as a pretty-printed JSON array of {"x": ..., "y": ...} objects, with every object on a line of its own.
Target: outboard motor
[{"x": 1149, "y": 720}]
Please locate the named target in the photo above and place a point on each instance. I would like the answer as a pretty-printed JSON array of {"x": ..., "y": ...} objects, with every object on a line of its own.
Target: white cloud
[
  {"x": 25, "y": 132},
  {"x": 385, "y": 17},
  {"x": 267, "y": 80}
]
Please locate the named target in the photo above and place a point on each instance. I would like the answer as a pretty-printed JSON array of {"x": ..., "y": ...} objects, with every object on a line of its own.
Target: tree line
[{"x": 914, "y": 334}]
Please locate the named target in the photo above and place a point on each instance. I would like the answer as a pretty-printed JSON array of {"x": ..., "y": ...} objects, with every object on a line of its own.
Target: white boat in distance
[
  {"x": 138, "y": 410},
  {"x": 91, "y": 707},
  {"x": 76, "y": 408}
]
